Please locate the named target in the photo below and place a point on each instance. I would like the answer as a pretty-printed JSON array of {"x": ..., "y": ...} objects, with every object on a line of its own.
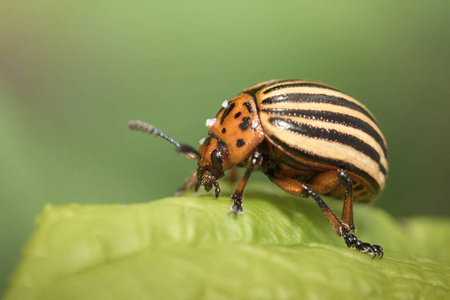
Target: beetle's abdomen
[{"x": 321, "y": 127}]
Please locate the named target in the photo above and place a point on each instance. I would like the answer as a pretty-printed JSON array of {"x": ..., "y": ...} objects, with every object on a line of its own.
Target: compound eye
[{"x": 216, "y": 159}]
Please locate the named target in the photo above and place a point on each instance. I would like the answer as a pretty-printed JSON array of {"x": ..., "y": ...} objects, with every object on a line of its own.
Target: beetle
[{"x": 307, "y": 137}]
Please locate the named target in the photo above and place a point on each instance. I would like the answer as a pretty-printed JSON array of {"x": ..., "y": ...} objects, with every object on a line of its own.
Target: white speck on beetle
[
  {"x": 254, "y": 125},
  {"x": 225, "y": 103},
  {"x": 210, "y": 122},
  {"x": 202, "y": 141}
]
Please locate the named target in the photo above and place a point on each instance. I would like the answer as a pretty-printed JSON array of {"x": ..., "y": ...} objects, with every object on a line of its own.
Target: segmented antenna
[
  {"x": 189, "y": 151},
  {"x": 152, "y": 130}
]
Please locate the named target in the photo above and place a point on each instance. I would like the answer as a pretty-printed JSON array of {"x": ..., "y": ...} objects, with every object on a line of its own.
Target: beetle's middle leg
[
  {"x": 323, "y": 183},
  {"x": 254, "y": 162}
]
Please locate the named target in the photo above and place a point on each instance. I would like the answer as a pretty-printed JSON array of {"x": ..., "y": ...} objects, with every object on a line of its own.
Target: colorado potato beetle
[{"x": 307, "y": 137}]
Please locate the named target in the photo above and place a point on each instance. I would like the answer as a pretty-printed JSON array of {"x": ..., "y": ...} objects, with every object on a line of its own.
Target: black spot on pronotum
[
  {"x": 224, "y": 130},
  {"x": 237, "y": 115},
  {"x": 240, "y": 143},
  {"x": 249, "y": 107},
  {"x": 243, "y": 126},
  {"x": 226, "y": 112},
  {"x": 245, "y": 123}
]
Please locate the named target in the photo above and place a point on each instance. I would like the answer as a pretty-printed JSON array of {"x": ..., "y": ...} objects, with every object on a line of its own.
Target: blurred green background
[{"x": 72, "y": 73}]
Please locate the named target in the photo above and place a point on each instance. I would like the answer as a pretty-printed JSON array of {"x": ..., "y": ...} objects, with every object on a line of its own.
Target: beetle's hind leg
[
  {"x": 323, "y": 183},
  {"x": 348, "y": 226},
  {"x": 353, "y": 242}
]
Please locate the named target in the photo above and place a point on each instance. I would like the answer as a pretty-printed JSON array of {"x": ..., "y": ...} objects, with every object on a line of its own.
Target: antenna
[{"x": 187, "y": 150}]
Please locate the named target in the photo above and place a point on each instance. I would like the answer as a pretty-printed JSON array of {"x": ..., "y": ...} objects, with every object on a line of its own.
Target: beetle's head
[{"x": 213, "y": 161}]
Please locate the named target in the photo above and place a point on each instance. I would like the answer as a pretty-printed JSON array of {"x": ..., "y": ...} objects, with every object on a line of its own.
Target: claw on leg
[
  {"x": 353, "y": 242},
  {"x": 216, "y": 189},
  {"x": 237, "y": 204}
]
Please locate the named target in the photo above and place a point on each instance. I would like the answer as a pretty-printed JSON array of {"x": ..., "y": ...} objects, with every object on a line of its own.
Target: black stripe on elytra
[
  {"x": 332, "y": 117},
  {"x": 253, "y": 91},
  {"x": 316, "y": 98},
  {"x": 329, "y": 135},
  {"x": 249, "y": 107},
  {"x": 226, "y": 112},
  {"x": 299, "y": 84},
  {"x": 327, "y": 161}
]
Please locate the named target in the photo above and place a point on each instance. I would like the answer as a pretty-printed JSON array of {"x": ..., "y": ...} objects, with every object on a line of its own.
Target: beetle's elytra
[{"x": 308, "y": 138}]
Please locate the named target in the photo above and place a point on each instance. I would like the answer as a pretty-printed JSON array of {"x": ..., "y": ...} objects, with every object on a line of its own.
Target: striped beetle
[{"x": 308, "y": 138}]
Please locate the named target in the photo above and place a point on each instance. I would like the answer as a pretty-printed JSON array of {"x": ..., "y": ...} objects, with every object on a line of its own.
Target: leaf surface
[{"x": 191, "y": 247}]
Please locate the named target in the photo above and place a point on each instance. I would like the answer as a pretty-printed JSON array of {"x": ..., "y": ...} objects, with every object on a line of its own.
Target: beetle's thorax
[
  {"x": 233, "y": 135},
  {"x": 237, "y": 125}
]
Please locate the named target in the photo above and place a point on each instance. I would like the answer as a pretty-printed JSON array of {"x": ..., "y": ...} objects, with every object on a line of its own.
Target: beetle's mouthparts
[{"x": 207, "y": 179}]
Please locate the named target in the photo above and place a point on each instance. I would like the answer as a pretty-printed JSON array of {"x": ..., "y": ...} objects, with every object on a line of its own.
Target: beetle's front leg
[
  {"x": 237, "y": 197},
  {"x": 190, "y": 183}
]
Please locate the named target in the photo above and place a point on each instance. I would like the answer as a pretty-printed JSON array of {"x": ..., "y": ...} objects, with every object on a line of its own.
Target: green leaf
[{"x": 192, "y": 247}]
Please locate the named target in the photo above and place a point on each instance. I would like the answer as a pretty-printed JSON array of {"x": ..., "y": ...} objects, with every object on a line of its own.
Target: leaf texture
[{"x": 193, "y": 248}]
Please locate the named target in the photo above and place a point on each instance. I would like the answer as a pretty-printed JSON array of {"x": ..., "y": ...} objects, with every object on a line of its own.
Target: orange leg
[
  {"x": 238, "y": 195},
  {"x": 347, "y": 210},
  {"x": 297, "y": 188},
  {"x": 323, "y": 183},
  {"x": 327, "y": 181}
]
